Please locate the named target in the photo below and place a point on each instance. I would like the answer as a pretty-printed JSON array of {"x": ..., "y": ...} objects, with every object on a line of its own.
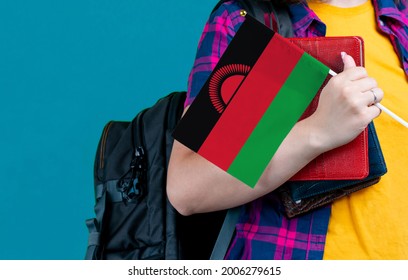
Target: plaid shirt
[{"x": 263, "y": 231}]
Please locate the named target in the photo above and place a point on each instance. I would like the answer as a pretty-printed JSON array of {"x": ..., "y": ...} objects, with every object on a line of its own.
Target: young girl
[{"x": 369, "y": 224}]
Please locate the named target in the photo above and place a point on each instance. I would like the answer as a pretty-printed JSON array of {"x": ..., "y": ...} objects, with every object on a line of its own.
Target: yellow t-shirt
[{"x": 372, "y": 223}]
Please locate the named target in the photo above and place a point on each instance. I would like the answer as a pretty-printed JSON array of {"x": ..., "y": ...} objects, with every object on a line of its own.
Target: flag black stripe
[{"x": 245, "y": 48}]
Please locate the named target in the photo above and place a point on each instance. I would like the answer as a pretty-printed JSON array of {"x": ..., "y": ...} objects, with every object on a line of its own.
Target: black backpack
[{"x": 133, "y": 217}]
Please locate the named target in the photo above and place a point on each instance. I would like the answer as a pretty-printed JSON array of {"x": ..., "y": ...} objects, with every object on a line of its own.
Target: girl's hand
[{"x": 345, "y": 106}]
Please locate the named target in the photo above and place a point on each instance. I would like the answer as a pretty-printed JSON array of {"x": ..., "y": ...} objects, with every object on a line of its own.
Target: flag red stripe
[{"x": 255, "y": 94}]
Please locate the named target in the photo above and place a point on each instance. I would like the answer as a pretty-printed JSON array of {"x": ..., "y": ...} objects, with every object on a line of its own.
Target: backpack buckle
[{"x": 131, "y": 184}]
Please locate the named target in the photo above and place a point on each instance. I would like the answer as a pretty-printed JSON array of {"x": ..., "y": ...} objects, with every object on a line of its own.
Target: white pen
[{"x": 391, "y": 114}]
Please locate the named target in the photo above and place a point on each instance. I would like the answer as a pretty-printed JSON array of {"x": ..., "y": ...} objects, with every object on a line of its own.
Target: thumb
[{"x": 348, "y": 61}]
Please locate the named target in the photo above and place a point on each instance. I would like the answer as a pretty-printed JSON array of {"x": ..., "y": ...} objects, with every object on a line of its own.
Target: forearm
[
  {"x": 195, "y": 185},
  {"x": 345, "y": 109}
]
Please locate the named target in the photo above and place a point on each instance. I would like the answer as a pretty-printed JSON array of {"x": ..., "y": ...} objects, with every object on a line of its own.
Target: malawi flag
[{"x": 252, "y": 99}]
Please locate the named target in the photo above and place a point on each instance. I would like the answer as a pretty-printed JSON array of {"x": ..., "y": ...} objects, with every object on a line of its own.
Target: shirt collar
[
  {"x": 305, "y": 21},
  {"x": 387, "y": 8}
]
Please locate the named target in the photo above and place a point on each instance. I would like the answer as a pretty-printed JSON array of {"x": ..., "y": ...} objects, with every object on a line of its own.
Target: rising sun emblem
[{"x": 224, "y": 83}]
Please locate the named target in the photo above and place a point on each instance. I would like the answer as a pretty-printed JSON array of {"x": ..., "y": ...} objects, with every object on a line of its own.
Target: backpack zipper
[
  {"x": 103, "y": 145},
  {"x": 132, "y": 183},
  {"x": 139, "y": 124}
]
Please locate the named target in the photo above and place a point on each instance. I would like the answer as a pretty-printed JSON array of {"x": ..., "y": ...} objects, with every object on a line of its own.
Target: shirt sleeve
[{"x": 218, "y": 33}]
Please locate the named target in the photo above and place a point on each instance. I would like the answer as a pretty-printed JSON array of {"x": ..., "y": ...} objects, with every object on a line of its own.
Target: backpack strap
[
  {"x": 278, "y": 17},
  {"x": 225, "y": 236},
  {"x": 272, "y": 14}
]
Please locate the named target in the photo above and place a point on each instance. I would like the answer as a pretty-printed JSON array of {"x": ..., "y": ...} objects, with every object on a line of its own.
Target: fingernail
[{"x": 343, "y": 54}]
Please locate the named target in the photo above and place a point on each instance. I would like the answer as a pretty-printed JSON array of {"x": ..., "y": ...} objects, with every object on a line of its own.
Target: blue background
[{"x": 67, "y": 68}]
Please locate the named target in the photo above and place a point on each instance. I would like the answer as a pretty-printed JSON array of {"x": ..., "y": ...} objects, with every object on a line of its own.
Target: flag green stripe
[{"x": 285, "y": 110}]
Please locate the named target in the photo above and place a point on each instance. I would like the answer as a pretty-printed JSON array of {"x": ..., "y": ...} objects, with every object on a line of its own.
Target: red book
[{"x": 350, "y": 161}]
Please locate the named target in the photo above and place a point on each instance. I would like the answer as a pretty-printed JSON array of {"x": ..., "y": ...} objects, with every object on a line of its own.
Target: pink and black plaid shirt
[{"x": 263, "y": 231}]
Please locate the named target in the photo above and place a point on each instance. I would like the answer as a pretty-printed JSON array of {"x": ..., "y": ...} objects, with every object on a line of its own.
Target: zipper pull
[{"x": 132, "y": 182}]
